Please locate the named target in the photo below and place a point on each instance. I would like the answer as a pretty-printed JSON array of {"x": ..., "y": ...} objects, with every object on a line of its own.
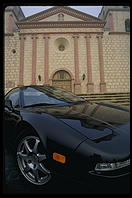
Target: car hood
[{"x": 95, "y": 121}]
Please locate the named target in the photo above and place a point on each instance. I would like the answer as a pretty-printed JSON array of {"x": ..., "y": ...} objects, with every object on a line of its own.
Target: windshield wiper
[{"x": 39, "y": 104}]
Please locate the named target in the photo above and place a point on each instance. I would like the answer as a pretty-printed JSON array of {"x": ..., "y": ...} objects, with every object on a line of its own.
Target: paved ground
[{"x": 13, "y": 184}]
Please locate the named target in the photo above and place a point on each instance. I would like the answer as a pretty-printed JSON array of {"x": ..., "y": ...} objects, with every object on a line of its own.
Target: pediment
[
  {"x": 61, "y": 16},
  {"x": 52, "y": 15}
]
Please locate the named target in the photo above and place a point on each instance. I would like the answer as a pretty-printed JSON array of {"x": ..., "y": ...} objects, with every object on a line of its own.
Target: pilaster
[
  {"x": 77, "y": 85},
  {"x": 21, "y": 70},
  {"x": 46, "y": 60},
  {"x": 101, "y": 64},
  {"x": 90, "y": 84},
  {"x": 34, "y": 57}
]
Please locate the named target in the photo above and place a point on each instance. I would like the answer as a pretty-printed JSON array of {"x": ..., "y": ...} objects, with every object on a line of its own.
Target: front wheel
[{"x": 31, "y": 160}]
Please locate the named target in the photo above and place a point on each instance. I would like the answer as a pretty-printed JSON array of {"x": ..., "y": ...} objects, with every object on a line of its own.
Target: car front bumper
[{"x": 112, "y": 174}]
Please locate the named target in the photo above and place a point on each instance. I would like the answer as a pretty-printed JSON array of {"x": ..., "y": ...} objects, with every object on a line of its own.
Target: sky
[{"x": 92, "y": 10}]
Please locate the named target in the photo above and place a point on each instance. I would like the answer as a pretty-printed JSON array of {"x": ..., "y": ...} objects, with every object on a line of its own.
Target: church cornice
[
  {"x": 69, "y": 33},
  {"x": 64, "y": 24},
  {"x": 57, "y": 9},
  {"x": 116, "y": 33}
]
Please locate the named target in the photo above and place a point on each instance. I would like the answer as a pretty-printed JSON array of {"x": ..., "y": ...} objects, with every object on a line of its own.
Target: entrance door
[{"x": 62, "y": 79}]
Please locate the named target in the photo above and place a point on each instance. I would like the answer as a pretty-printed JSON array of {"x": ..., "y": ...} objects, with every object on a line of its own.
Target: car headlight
[{"x": 111, "y": 166}]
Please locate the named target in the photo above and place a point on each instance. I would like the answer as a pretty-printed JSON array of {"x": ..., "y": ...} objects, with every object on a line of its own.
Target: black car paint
[
  {"x": 106, "y": 134},
  {"x": 70, "y": 131}
]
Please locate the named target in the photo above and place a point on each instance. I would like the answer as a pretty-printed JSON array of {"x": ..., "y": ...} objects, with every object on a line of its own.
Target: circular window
[
  {"x": 13, "y": 51},
  {"x": 61, "y": 47},
  {"x": 61, "y": 44}
]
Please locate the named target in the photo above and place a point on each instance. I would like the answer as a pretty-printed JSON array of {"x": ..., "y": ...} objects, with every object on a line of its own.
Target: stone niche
[{"x": 61, "y": 44}]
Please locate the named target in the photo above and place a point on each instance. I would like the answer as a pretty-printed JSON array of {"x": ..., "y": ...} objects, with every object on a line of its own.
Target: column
[
  {"x": 90, "y": 84},
  {"x": 46, "y": 60},
  {"x": 111, "y": 25},
  {"x": 101, "y": 64},
  {"x": 11, "y": 21},
  {"x": 34, "y": 57},
  {"x": 21, "y": 70},
  {"x": 76, "y": 63}
]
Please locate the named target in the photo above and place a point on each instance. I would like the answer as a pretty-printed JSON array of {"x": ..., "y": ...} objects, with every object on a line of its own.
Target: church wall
[
  {"x": 115, "y": 57},
  {"x": 116, "y": 48},
  {"x": 116, "y": 54},
  {"x": 40, "y": 60},
  {"x": 61, "y": 30},
  {"x": 119, "y": 20},
  {"x": 11, "y": 61},
  {"x": 58, "y": 59}
]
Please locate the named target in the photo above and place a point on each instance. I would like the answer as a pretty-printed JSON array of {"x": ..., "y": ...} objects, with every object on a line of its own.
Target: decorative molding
[
  {"x": 46, "y": 36},
  {"x": 127, "y": 33},
  {"x": 99, "y": 36},
  {"x": 77, "y": 87},
  {"x": 34, "y": 36},
  {"x": 62, "y": 68},
  {"x": 88, "y": 35},
  {"x": 9, "y": 34},
  {"x": 22, "y": 37},
  {"x": 47, "y": 33},
  {"x": 62, "y": 9},
  {"x": 75, "y": 36},
  {"x": 103, "y": 87},
  {"x": 64, "y": 24},
  {"x": 90, "y": 87}
]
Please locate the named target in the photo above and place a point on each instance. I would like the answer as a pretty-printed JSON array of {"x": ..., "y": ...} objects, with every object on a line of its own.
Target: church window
[
  {"x": 127, "y": 25},
  {"x": 61, "y": 44},
  {"x": 61, "y": 47},
  {"x": 60, "y": 17}
]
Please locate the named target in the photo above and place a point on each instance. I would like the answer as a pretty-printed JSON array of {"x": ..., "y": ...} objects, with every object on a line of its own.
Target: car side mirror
[{"x": 8, "y": 104}]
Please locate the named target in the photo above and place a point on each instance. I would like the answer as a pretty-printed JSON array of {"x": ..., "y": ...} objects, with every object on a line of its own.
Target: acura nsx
[{"x": 49, "y": 130}]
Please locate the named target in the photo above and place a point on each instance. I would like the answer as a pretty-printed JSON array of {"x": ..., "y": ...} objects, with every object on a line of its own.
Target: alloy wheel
[{"x": 31, "y": 160}]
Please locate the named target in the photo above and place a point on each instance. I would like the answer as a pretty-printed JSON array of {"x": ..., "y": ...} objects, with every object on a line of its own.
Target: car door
[{"x": 11, "y": 116}]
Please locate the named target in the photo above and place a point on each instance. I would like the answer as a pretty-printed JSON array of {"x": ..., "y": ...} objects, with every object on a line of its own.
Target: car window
[
  {"x": 47, "y": 95},
  {"x": 13, "y": 95},
  {"x": 34, "y": 96}
]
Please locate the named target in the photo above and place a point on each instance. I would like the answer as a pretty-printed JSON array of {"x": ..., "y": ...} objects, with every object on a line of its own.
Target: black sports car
[{"x": 49, "y": 130}]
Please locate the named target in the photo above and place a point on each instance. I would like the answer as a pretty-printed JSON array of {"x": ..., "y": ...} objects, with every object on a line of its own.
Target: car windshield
[{"x": 48, "y": 95}]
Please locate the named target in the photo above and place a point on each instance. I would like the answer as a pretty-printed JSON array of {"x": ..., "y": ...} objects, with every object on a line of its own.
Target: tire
[{"x": 31, "y": 159}]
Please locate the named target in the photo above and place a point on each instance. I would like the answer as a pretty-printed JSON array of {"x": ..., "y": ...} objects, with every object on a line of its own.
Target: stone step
[
  {"x": 117, "y": 98},
  {"x": 104, "y": 95},
  {"x": 109, "y": 98},
  {"x": 127, "y": 104}
]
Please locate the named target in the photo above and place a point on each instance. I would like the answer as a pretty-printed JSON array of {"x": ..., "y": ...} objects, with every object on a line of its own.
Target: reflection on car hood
[{"x": 92, "y": 120}]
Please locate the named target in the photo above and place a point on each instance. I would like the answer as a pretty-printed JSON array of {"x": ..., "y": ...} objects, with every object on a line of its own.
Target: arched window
[
  {"x": 62, "y": 79},
  {"x": 127, "y": 25},
  {"x": 60, "y": 17}
]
